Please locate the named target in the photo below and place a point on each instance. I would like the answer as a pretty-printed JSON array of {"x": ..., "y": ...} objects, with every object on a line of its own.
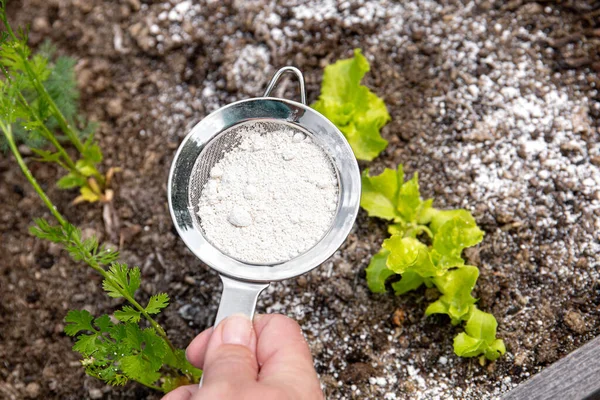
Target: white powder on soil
[{"x": 271, "y": 198}]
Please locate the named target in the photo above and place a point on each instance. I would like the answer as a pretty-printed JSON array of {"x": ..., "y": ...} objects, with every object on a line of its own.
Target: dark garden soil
[{"x": 495, "y": 103}]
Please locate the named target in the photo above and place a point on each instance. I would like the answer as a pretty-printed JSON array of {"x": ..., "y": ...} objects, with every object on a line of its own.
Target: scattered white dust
[
  {"x": 271, "y": 198},
  {"x": 516, "y": 145}
]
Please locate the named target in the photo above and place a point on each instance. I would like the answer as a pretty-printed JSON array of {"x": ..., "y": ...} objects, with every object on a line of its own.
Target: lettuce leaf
[
  {"x": 352, "y": 107},
  {"x": 479, "y": 338},
  {"x": 378, "y": 272},
  {"x": 456, "y": 287}
]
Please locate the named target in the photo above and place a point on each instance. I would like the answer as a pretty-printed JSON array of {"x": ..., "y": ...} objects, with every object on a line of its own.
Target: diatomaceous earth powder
[{"x": 271, "y": 198}]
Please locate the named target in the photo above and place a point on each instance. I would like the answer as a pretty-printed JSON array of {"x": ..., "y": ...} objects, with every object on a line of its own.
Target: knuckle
[{"x": 230, "y": 353}]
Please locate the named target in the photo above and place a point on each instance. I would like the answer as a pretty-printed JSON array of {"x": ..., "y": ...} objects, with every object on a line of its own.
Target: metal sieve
[{"x": 207, "y": 143}]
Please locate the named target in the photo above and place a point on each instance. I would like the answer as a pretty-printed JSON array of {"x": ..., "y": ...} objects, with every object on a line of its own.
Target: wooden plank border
[{"x": 575, "y": 377}]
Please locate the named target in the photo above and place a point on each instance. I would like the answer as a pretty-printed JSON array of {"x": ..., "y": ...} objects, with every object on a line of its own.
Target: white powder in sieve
[{"x": 271, "y": 198}]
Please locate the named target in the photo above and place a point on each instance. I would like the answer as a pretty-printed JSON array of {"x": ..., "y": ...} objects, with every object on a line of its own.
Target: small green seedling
[
  {"x": 41, "y": 95},
  {"x": 440, "y": 263}
]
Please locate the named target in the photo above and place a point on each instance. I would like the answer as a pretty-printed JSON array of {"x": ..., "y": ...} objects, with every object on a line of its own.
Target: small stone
[
  {"x": 189, "y": 312},
  {"x": 95, "y": 393},
  {"x": 25, "y": 150},
  {"x": 174, "y": 16},
  {"x": 40, "y": 24},
  {"x": 33, "y": 390},
  {"x": 115, "y": 107},
  {"x": 520, "y": 359},
  {"x": 443, "y": 360},
  {"x": 239, "y": 217},
  {"x": 302, "y": 281},
  {"x": 343, "y": 289},
  {"x": 84, "y": 78},
  {"x": 135, "y": 29},
  {"x": 83, "y": 5},
  {"x": 189, "y": 280},
  {"x": 154, "y": 29}
]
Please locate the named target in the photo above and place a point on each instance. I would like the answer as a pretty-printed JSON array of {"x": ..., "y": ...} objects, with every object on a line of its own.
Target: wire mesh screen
[{"x": 216, "y": 149}]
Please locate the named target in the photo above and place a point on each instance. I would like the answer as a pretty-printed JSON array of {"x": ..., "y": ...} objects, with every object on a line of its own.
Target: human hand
[{"x": 265, "y": 360}]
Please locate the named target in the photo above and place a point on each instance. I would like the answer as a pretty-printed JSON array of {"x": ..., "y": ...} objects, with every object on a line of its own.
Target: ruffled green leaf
[
  {"x": 409, "y": 199},
  {"x": 455, "y": 234},
  {"x": 379, "y": 196},
  {"x": 352, "y": 107},
  {"x": 479, "y": 337},
  {"x": 410, "y": 281},
  {"x": 378, "y": 272},
  {"x": 456, "y": 287},
  {"x": 409, "y": 254}
]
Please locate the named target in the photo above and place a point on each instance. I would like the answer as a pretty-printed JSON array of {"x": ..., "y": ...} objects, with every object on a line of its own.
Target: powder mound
[{"x": 271, "y": 198}]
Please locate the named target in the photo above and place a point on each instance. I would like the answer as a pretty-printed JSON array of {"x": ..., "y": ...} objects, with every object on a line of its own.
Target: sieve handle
[
  {"x": 282, "y": 71},
  {"x": 238, "y": 298}
]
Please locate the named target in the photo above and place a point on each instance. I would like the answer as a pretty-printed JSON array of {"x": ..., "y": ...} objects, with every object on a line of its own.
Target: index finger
[{"x": 284, "y": 357}]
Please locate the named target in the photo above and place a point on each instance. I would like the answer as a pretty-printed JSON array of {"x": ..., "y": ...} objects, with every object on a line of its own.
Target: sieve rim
[{"x": 272, "y": 110}]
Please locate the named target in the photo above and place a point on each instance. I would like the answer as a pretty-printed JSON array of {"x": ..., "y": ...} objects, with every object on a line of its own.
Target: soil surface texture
[{"x": 494, "y": 103}]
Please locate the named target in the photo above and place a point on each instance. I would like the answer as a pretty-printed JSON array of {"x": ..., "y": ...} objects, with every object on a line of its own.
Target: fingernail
[{"x": 237, "y": 330}]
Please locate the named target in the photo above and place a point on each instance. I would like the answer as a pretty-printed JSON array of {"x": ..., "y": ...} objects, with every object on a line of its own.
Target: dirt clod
[
  {"x": 575, "y": 322},
  {"x": 398, "y": 317}
]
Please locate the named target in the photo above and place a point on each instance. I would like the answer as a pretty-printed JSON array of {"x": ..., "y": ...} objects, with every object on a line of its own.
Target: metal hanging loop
[{"x": 278, "y": 74}]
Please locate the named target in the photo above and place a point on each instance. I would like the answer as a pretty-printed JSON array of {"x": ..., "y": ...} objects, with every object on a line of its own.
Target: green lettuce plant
[{"x": 425, "y": 248}]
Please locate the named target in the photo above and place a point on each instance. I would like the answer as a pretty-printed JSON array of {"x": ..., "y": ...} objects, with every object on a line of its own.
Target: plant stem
[
  {"x": 149, "y": 385},
  {"x": 6, "y": 129},
  {"x": 69, "y": 164}
]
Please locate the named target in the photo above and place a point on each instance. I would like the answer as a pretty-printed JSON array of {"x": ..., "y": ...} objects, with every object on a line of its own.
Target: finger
[
  {"x": 181, "y": 393},
  {"x": 197, "y": 348},
  {"x": 230, "y": 359},
  {"x": 284, "y": 357}
]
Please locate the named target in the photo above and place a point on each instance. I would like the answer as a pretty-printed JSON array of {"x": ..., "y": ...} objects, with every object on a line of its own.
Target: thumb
[{"x": 230, "y": 359}]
